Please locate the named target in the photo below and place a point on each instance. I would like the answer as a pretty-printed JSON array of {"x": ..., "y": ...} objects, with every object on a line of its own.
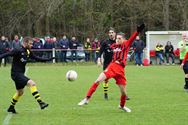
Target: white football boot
[
  {"x": 85, "y": 101},
  {"x": 126, "y": 109}
]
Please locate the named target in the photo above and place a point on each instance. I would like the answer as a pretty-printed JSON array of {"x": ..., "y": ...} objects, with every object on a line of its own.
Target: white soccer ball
[{"x": 71, "y": 75}]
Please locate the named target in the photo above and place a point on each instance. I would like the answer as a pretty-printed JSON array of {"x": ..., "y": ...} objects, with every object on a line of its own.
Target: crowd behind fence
[{"x": 72, "y": 55}]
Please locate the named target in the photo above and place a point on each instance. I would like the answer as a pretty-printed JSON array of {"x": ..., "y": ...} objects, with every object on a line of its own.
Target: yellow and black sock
[
  {"x": 105, "y": 86},
  {"x": 35, "y": 93},
  {"x": 186, "y": 83},
  {"x": 15, "y": 99}
]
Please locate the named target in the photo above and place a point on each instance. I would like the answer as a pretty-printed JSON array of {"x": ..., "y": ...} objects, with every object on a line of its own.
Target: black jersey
[
  {"x": 20, "y": 58},
  {"x": 106, "y": 51}
]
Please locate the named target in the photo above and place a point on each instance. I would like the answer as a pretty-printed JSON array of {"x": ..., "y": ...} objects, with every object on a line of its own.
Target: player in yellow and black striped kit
[{"x": 20, "y": 59}]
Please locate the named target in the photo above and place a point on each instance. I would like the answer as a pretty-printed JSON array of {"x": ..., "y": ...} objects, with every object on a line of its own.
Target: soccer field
[{"x": 156, "y": 92}]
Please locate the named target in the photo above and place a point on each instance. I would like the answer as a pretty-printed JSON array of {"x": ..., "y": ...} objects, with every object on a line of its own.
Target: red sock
[
  {"x": 123, "y": 100},
  {"x": 92, "y": 90}
]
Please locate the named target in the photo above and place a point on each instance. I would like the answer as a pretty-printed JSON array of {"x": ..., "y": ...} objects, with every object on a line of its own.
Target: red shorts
[{"x": 116, "y": 71}]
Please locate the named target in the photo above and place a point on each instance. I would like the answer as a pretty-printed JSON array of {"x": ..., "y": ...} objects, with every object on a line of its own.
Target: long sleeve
[
  {"x": 102, "y": 48},
  {"x": 131, "y": 39},
  {"x": 11, "y": 53},
  {"x": 39, "y": 58}
]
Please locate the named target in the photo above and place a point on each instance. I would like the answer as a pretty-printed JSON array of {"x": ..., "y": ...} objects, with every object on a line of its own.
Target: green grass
[{"x": 156, "y": 92}]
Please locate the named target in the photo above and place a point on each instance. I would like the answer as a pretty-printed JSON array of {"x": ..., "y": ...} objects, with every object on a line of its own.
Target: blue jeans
[
  {"x": 168, "y": 56},
  {"x": 138, "y": 58},
  {"x": 87, "y": 56},
  {"x": 95, "y": 56},
  {"x": 160, "y": 56},
  {"x": 63, "y": 56}
]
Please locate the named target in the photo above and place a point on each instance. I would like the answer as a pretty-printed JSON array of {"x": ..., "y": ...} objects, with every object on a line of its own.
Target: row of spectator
[
  {"x": 167, "y": 51},
  {"x": 63, "y": 44},
  {"x": 91, "y": 48}
]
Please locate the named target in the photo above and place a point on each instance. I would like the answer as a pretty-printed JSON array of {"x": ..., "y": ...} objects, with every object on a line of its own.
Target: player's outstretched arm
[
  {"x": 140, "y": 28},
  {"x": 11, "y": 53},
  {"x": 40, "y": 59}
]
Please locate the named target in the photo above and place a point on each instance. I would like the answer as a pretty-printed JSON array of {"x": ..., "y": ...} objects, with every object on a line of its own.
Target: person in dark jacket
[
  {"x": 138, "y": 47},
  {"x": 64, "y": 45},
  {"x": 37, "y": 45},
  {"x": 169, "y": 52},
  {"x": 73, "y": 46},
  {"x": 49, "y": 45},
  {"x": 4, "y": 47}
]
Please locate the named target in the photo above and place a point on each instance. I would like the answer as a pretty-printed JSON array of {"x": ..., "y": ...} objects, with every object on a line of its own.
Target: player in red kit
[
  {"x": 184, "y": 66},
  {"x": 116, "y": 68}
]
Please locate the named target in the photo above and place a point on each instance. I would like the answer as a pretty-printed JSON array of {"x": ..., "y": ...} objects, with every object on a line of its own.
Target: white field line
[
  {"x": 7, "y": 119},
  {"x": 9, "y": 116}
]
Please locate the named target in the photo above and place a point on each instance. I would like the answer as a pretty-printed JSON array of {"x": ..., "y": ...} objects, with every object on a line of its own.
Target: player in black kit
[
  {"x": 107, "y": 53},
  {"x": 20, "y": 59}
]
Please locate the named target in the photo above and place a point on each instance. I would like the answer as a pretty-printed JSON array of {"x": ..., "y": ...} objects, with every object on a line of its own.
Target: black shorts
[
  {"x": 20, "y": 80},
  {"x": 185, "y": 68},
  {"x": 106, "y": 63}
]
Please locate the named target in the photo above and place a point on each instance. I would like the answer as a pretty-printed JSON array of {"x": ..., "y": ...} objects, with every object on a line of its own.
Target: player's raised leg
[
  {"x": 92, "y": 89},
  {"x": 36, "y": 94}
]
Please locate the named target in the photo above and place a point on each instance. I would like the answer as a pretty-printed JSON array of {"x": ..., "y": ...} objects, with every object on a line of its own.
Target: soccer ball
[{"x": 71, "y": 75}]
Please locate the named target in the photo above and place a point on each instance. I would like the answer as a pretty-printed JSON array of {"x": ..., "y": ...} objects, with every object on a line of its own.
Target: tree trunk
[
  {"x": 47, "y": 25},
  {"x": 184, "y": 8},
  {"x": 165, "y": 4}
]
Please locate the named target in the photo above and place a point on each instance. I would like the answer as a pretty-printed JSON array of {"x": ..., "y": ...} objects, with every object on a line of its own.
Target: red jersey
[
  {"x": 185, "y": 58},
  {"x": 120, "y": 51}
]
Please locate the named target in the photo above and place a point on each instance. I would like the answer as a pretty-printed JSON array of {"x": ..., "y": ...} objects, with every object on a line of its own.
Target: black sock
[{"x": 186, "y": 83}]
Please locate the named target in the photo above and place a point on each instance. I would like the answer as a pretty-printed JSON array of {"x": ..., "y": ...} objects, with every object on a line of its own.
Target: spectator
[
  {"x": 73, "y": 46},
  {"x": 8, "y": 59},
  {"x": 37, "y": 44},
  {"x": 56, "y": 46},
  {"x": 49, "y": 45},
  {"x": 138, "y": 47},
  {"x": 64, "y": 44},
  {"x": 169, "y": 52},
  {"x": 4, "y": 47},
  {"x": 87, "y": 47},
  {"x": 96, "y": 48},
  {"x": 16, "y": 44},
  {"x": 159, "y": 52}
]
